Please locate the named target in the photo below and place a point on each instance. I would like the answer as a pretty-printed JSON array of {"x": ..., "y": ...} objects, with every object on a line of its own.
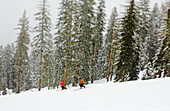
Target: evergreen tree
[
  {"x": 76, "y": 48},
  {"x": 112, "y": 39},
  {"x": 167, "y": 46},
  {"x": 76, "y": 44},
  {"x": 4, "y": 89},
  {"x": 111, "y": 26},
  {"x": 43, "y": 39},
  {"x": 7, "y": 65},
  {"x": 59, "y": 40},
  {"x": 161, "y": 63},
  {"x": 98, "y": 41},
  {"x": 58, "y": 66},
  {"x": 127, "y": 66},
  {"x": 67, "y": 40},
  {"x": 87, "y": 32},
  {"x": 154, "y": 31},
  {"x": 152, "y": 43},
  {"x": 64, "y": 35},
  {"x": 1, "y": 70},
  {"x": 143, "y": 30},
  {"x": 21, "y": 56},
  {"x": 34, "y": 69},
  {"x": 48, "y": 66}
]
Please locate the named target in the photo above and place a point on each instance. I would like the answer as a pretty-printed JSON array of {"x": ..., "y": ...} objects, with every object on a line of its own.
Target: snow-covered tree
[
  {"x": 111, "y": 43},
  {"x": 152, "y": 42},
  {"x": 98, "y": 40},
  {"x": 76, "y": 34},
  {"x": 8, "y": 56},
  {"x": 34, "y": 69},
  {"x": 48, "y": 67},
  {"x": 143, "y": 30},
  {"x": 43, "y": 39},
  {"x": 154, "y": 27},
  {"x": 87, "y": 32},
  {"x": 161, "y": 64},
  {"x": 21, "y": 55},
  {"x": 64, "y": 39},
  {"x": 129, "y": 56},
  {"x": 59, "y": 39},
  {"x": 110, "y": 27},
  {"x": 1, "y": 70},
  {"x": 7, "y": 66}
]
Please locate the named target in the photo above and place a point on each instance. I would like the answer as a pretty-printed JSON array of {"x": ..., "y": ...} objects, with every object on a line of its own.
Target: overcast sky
[{"x": 12, "y": 10}]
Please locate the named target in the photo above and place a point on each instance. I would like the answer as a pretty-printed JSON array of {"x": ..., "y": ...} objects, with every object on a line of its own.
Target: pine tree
[
  {"x": 161, "y": 63},
  {"x": 87, "y": 32},
  {"x": 143, "y": 30},
  {"x": 61, "y": 38},
  {"x": 76, "y": 45},
  {"x": 111, "y": 26},
  {"x": 59, "y": 41},
  {"x": 98, "y": 40},
  {"x": 21, "y": 56},
  {"x": 48, "y": 66},
  {"x": 66, "y": 39},
  {"x": 76, "y": 48},
  {"x": 1, "y": 70},
  {"x": 4, "y": 89},
  {"x": 7, "y": 57},
  {"x": 58, "y": 66},
  {"x": 153, "y": 39},
  {"x": 112, "y": 39},
  {"x": 7, "y": 65},
  {"x": 152, "y": 43},
  {"x": 34, "y": 69},
  {"x": 129, "y": 56},
  {"x": 43, "y": 39},
  {"x": 167, "y": 46}
]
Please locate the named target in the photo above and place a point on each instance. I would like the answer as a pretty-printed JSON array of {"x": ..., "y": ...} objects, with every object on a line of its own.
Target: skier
[
  {"x": 81, "y": 83},
  {"x": 62, "y": 85}
]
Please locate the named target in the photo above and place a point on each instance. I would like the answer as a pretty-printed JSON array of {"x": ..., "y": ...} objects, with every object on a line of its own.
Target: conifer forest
[{"x": 82, "y": 44}]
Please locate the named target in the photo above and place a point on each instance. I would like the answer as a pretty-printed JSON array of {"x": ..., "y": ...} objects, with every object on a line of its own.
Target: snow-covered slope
[{"x": 150, "y": 95}]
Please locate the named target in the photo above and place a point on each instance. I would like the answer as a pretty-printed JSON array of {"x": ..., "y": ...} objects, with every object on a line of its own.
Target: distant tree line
[{"x": 83, "y": 47}]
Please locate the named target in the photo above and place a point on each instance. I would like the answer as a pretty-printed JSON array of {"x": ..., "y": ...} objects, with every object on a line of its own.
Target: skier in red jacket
[{"x": 62, "y": 85}]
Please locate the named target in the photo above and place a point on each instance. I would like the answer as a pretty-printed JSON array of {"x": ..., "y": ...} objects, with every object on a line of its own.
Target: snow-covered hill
[{"x": 150, "y": 95}]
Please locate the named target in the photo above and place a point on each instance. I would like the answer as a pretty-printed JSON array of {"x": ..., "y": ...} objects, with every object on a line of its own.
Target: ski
[
  {"x": 82, "y": 88},
  {"x": 60, "y": 89}
]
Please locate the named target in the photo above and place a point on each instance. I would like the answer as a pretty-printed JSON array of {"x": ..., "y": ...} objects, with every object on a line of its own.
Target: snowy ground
[{"x": 149, "y": 95}]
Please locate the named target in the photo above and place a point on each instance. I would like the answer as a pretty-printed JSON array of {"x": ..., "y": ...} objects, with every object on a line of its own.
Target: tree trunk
[
  {"x": 108, "y": 72},
  {"x": 160, "y": 70},
  {"x": 65, "y": 75},
  {"x": 19, "y": 73},
  {"x": 40, "y": 72},
  {"x": 0, "y": 81},
  {"x": 123, "y": 76},
  {"x": 93, "y": 65},
  {"x": 18, "y": 82},
  {"x": 114, "y": 53},
  {"x": 8, "y": 77},
  {"x": 48, "y": 84},
  {"x": 4, "y": 88},
  {"x": 165, "y": 70},
  {"x": 49, "y": 79}
]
